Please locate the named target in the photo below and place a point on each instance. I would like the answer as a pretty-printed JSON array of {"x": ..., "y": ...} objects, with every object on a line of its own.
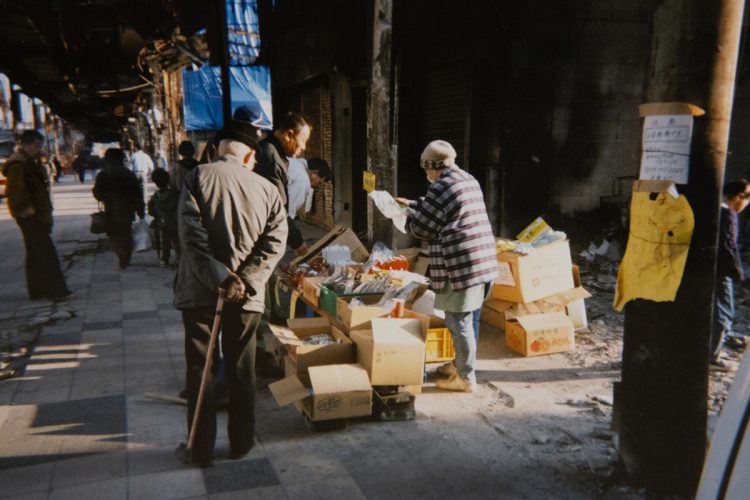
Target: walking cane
[{"x": 185, "y": 453}]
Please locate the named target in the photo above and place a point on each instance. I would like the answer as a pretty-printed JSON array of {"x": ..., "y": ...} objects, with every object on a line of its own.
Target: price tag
[{"x": 368, "y": 181}]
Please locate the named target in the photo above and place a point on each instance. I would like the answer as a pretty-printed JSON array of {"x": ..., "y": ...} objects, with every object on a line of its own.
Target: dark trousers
[
  {"x": 121, "y": 236},
  {"x": 238, "y": 329},
  {"x": 44, "y": 278},
  {"x": 165, "y": 242}
]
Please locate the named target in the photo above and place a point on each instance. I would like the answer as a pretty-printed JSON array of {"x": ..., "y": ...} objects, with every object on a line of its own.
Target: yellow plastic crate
[{"x": 439, "y": 345}]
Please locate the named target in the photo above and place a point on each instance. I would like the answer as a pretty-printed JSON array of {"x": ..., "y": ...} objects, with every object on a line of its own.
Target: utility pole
[
  {"x": 662, "y": 399},
  {"x": 380, "y": 126}
]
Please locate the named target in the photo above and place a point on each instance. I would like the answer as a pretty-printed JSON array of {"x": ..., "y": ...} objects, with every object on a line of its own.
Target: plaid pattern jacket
[{"x": 453, "y": 218}]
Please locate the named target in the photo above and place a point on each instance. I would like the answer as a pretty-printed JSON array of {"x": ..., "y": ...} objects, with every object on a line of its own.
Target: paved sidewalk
[{"x": 76, "y": 424}]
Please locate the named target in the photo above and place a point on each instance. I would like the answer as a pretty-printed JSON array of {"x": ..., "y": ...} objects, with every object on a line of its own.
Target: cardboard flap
[
  {"x": 397, "y": 331},
  {"x": 338, "y": 378},
  {"x": 544, "y": 320},
  {"x": 288, "y": 390},
  {"x": 309, "y": 326},
  {"x": 498, "y": 305},
  {"x": 573, "y": 294},
  {"x": 340, "y": 235},
  {"x": 285, "y": 335}
]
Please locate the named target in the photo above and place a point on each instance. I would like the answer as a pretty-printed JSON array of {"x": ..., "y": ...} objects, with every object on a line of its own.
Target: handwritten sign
[
  {"x": 368, "y": 181},
  {"x": 666, "y": 148}
]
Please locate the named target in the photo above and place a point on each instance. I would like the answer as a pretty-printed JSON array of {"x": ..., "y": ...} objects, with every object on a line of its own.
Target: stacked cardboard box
[
  {"x": 537, "y": 300},
  {"x": 325, "y": 383}
]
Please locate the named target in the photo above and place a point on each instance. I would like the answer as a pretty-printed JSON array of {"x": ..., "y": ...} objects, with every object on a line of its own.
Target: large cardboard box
[
  {"x": 393, "y": 351},
  {"x": 526, "y": 278},
  {"x": 538, "y": 334},
  {"x": 570, "y": 302},
  {"x": 359, "y": 317},
  {"x": 339, "y": 235},
  {"x": 303, "y": 356},
  {"x": 334, "y": 391}
]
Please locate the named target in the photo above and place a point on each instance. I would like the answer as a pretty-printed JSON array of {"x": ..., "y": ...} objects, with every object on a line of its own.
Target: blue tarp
[
  {"x": 250, "y": 86},
  {"x": 243, "y": 32}
]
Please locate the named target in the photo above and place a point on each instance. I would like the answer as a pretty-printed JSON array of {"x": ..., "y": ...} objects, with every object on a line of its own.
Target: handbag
[{"x": 98, "y": 221}]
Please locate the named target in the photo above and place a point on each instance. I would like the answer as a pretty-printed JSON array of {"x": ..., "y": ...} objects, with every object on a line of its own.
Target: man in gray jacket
[{"x": 233, "y": 231}]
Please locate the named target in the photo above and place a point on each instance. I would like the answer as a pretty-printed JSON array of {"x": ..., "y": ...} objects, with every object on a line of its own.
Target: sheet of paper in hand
[{"x": 390, "y": 208}]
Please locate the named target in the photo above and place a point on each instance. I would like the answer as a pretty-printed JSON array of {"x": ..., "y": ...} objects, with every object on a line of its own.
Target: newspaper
[{"x": 390, "y": 208}]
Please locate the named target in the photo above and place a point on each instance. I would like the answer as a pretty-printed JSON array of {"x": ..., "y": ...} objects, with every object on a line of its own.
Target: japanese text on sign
[
  {"x": 368, "y": 181},
  {"x": 666, "y": 148}
]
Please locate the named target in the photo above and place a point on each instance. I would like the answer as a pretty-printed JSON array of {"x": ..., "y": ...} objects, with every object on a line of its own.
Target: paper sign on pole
[
  {"x": 666, "y": 148},
  {"x": 368, "y": 181}
]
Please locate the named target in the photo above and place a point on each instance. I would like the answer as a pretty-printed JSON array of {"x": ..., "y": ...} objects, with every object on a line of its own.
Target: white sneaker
[
  {"x": 448, "y": 369},
  {"x": 455, "y": 383}
]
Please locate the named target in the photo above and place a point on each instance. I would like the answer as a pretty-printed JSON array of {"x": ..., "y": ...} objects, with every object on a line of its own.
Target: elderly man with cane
[{"x": 233, "y": 231}]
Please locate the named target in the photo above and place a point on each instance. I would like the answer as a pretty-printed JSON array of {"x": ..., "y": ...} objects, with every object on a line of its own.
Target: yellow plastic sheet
[{"x": 660, "y": 232}]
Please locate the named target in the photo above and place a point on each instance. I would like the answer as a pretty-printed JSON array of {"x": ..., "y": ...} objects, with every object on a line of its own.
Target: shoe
[
  {"x": 718, "y": 365},
  {"x": 735, "y": 342},
  {"x": 447, "y": 370},
  {"x": 455, "y": 383}
]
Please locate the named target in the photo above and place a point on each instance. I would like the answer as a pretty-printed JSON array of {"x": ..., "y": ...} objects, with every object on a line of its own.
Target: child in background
[{"x": 163, "y": 208}]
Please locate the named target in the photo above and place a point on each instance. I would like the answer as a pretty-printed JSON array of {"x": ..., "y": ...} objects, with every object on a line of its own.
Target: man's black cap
[{"x": 240, "y": 131}]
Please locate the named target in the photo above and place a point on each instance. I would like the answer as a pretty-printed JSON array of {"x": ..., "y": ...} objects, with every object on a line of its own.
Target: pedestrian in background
[
  {"x": 736, "y": 196},
  {"x": 141, "y": 165},
  {"x": 185, "y": 164},
  {"x": 28, "y": 192},
  {"x": 163, "y": 208},
  {"x": 120, "y": 191}
]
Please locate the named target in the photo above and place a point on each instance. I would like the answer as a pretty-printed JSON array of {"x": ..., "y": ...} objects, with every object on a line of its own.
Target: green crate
[{"x": 328, "y": 298}]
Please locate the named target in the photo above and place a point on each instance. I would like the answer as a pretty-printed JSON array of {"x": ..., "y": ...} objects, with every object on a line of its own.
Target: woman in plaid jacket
[{"x": 452, "y": 216}]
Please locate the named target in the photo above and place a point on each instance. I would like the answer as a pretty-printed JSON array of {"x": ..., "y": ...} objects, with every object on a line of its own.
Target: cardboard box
[
  {"x": 359, "y": 317},
  {"x": 393, "y": 351},
  {"x": 311, "y": 289},
  {"x": 304, "y": 356},
  {"x": 328, "y": 297},
  {"x": 339, "y": 235},
  {"x": 570, "y": 302},
  {"x": 538, "y": 334},
  {"x": 493, "y": 312},
  {"x": 526, "y": 278},
  {"x": 334, "y": 391}
]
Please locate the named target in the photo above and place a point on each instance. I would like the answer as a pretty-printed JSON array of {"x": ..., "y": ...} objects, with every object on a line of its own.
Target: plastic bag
[{"x": 141, "y": 236}]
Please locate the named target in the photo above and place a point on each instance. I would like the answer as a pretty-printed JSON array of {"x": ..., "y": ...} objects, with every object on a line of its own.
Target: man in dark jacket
[
  {"x": 29, "y": 202},
  {"x": 728, "y": 270},
  {"x": 232, "y": 228},
  {"x": 288, "y": 139},
  {"x": 120, "y": 191}
]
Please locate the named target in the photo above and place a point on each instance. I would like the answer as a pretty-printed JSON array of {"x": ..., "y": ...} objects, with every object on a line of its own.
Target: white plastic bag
[{"x": 141, "y": 236}]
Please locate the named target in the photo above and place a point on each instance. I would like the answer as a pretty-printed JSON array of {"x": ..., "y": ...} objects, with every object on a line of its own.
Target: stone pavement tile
[
  {"x": 113, "y": 489},
  {"x": 324, "y": 489},
  {"x": 103, "y": 325},
  {"x": 154, "y": 423},
  {"x": 266, "y": 493},
  {"x": 182, "y": 483},
  {"x": 90, "y": 469},
  {"x": 94, "y": 382},
  {"x": 37, "y": 495},
  {"x": 298, "y": 465},
  {"x": 239, "y": 475},
  {"x": 44, "y": 387},
  {"x": 148, "y": 313},
  {"x": 150, "y": 377},
  {"x": 20, "y": 480},
  {"x": 147, "y": 459},
  {"x": 141, "y": 325},
  {"x": 7, "y": 390}
]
